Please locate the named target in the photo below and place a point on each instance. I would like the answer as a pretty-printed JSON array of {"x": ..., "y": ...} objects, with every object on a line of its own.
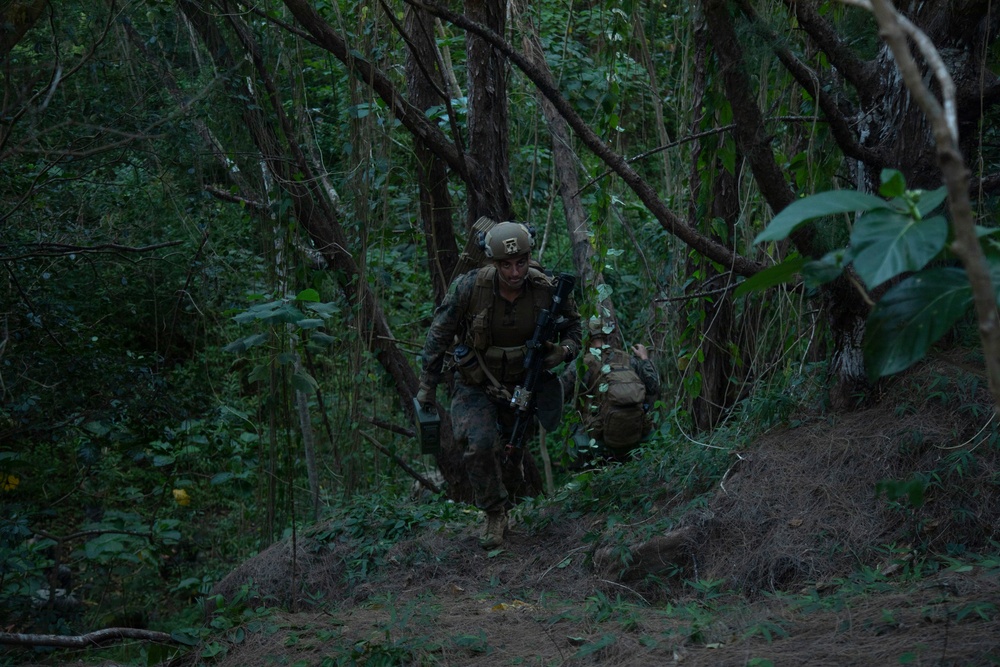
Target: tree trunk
[
  {"x": 566, "y": 163},
  {"x": 716, "y": 339},
  {"x": 847, "y": 310},
  {"x": 17, "y": 18},
  {"x": 310, "y": 202},
  {"x": 489, "y": 153},
  {"x": 428, "y": 85}
]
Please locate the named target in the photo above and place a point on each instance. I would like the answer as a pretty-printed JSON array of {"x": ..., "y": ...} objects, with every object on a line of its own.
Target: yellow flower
[
  {"x": 8, "y": 482},
  {"x": 181, "y": 497}
]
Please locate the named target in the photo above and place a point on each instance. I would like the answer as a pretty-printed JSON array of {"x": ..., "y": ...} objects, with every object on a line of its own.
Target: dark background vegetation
[{"x": 223, "y": 231}]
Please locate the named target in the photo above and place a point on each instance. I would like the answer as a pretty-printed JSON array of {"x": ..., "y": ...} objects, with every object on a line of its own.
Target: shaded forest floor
[{"x": 863, "y": 538}]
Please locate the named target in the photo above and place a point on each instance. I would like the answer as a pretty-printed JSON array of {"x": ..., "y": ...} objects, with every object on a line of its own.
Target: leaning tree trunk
[
  {"x": 489, "y": 155},
  {"x": 311, "y": 204},
  {"x": 566, "y": 163},
  {"x": 717, "y": 327},
  {"x": 428, "y": 85},
  {"x": 847, "y": 310}
]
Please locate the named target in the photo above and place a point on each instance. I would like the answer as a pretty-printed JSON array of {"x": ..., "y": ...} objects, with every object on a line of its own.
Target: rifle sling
[{"x": 498, "y": 389}]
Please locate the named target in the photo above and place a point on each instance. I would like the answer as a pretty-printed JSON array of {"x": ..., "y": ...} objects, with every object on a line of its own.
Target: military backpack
[{"x": 619, "y": 417}]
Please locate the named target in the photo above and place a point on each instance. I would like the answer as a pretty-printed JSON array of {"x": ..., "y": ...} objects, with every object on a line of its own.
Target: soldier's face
[{"x": 513, "y": 271}]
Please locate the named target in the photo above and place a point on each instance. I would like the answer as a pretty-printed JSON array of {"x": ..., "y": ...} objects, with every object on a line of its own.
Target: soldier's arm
[
  {"x": 447, "y": 318},
  {"x": 571, "y": 332},
  {"x": 645, "y": 369}
]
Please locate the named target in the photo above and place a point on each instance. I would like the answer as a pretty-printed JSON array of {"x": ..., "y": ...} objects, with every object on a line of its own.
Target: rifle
[{"x": 523, "y": 398}]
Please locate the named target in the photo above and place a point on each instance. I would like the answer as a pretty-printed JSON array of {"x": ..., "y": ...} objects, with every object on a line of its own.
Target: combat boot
[{"x": 496, "y": 524}]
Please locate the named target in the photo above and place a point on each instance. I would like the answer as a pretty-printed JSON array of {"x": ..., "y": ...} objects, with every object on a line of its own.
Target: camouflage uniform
[{"x": 480, "y": 410}]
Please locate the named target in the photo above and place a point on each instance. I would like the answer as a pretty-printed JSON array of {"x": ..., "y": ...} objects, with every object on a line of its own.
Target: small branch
[
  {"x": 62, "y": 249},
  {"x": 225, "y": 195},
  {"x": 96, "y": 638},
  {"x": 395, "y": 428},
  {"x": 92, "y": 533},
  {"x": 401, "y": 463},
  {"x": 691, "y": 297},
  {"x": 403, "y": 343},
  {"x": 659, "y": 149}
]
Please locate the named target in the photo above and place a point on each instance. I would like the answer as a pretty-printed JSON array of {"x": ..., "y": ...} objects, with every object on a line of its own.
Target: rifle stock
[{"x": 523, "y": 399}]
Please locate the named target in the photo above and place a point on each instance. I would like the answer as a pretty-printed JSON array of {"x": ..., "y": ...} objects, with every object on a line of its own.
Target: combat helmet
[
  {"x": 508, "y": 239},
  {"x": 598, "y": 326}
]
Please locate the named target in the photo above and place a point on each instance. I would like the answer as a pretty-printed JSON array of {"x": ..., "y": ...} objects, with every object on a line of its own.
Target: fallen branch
[
  {"x": 401, "y": 463},
  {"x": 96, "y": 638},
  {"x": 389, "y": 426}
]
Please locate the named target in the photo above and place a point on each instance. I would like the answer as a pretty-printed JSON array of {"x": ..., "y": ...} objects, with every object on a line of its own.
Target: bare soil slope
[{"x": 801, "y": 555}]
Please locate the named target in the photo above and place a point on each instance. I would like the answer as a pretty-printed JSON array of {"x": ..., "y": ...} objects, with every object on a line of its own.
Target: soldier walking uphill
[{"x": 489, "y": 316}]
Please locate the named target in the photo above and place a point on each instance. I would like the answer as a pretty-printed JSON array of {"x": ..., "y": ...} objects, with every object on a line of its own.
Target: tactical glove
[
  {"x": 426, "y": 396},
  {"x": 554, "y": 355}
]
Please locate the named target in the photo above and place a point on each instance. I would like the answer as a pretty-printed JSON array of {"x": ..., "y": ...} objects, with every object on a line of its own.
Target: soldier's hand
[
  {"x": 554, "y": 355},
  {"x": 426, "y": 396}
]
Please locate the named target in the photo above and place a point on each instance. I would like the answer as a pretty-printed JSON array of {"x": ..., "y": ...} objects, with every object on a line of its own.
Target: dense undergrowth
[{"x": 395, "y": 578}]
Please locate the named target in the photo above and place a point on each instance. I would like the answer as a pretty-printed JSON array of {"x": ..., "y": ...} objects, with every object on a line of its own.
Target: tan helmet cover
[
  {"x": 598, "y": 326},
  {"x": 507, "y": 239}
]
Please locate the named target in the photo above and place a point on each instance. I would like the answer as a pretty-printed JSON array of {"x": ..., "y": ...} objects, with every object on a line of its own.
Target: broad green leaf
[
  {"x": 304, "y": 382},
  {"x": 221, "y": 478},
  {"x": 893, "y": 183},
  {"x": 104, "y": 544},
  {"x": 236, "y": 347},
  {"x": 260, "y": 373},
  {"x": 323, "y": 308},
  {"x": 911, "y": 317},
  {"x": 783, "y": 272},
  {"x": 818, "y": 206},
  {"x": 241, "y": 345},
  {"x": 931, "y": 200},
  {"x": 187, "y": 637},
  {"x": 307, "y": 295},
  {"x": 287, "y": 313},
  {"x": 257, "y": 312},
  {"x": 321, "y": 338},
  {"x": 826, "y": 268},
  {"x": 255, "y": 339},
  {"x": 887, "y": 243},
  {"x": 310, "y": 323}
]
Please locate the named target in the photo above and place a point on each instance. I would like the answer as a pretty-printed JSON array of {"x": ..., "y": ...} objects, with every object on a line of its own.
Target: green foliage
[
  {"x": 892, "y": 238},
  {"x": 147, "y": 445},
  {"x": 371, "y": 524}
]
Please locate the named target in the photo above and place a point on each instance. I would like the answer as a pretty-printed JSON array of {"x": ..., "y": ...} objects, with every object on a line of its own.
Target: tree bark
[
  {"x": 17, "y": 18},
  {"x": 489, "y": 155},
  {"x": 95, "y": 638},
  {"x": 427, "y": 84},
  {"x": 847, "y": 310}
]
